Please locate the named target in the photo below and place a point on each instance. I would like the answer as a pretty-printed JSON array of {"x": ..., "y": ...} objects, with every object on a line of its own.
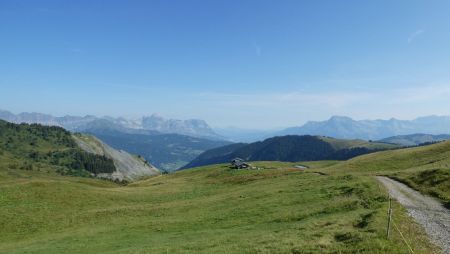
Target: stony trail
[{"x": 427, "y": 211}]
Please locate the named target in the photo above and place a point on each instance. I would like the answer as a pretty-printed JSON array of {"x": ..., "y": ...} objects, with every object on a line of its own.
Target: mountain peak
[
  {"x": 190, "y": 127},
  {"x": 155, "y": 115},
  {"x": 346, "y": 127},
  {"x": 340, "y": 118}
]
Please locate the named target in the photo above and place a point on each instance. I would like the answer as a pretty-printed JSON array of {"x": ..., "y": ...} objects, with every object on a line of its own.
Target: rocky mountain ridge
[
  {"x": 190, "y": 127},
  {"x": 348, "y": 128}
]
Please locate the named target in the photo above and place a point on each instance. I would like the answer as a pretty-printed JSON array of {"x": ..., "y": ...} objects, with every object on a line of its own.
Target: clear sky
[{"x": 253, "y": 64}]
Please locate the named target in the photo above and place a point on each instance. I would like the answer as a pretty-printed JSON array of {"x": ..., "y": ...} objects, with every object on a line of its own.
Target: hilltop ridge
[
  {"x": 290, "y": 148},
  {"x": 51, "y": 148}
]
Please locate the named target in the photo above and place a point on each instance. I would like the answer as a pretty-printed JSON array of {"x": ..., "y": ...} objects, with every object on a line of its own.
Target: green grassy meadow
[
  {"x": 277, "y": 209},
  {"x": 355, "y": 143}
]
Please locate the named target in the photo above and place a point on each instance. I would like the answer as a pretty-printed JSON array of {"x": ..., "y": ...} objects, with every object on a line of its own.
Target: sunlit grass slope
[
  {"x": 425, "y": 168},
  {"x": 277, "y": 209},
  {"x": 50, "y": 149},
  {"x": 354, "y": 143}
]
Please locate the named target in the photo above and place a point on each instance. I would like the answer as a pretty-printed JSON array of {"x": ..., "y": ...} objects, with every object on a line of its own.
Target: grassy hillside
[
  {"x": 426, "y": 168},
  {"x": 128, "y": 167},
  {"x": 290, "y": 148},
  {"x": 44, "y": 148},
  {"x": 36, "y": 147},
  {"x": 340, "y": 144},
  {"x": 276, "y": 209},
  {"x": 415, "y": 139}
]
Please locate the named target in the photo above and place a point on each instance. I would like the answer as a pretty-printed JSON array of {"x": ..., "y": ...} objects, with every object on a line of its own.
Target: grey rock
[
  {"x": 191, "y": 127},
  {"x": 128, "y": 167}
]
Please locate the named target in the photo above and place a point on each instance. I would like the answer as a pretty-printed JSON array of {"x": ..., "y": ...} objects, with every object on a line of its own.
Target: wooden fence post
[{"x": 389, "y": 217}]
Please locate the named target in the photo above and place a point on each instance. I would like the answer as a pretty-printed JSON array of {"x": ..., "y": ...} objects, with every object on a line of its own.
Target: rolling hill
[
  {"x": 290, "y": 148},
  {"x": 424, "y": 168},
  {"x": 276, "y": 209},
  {"x": 332, "y": 207},
  {"x": 415, "y": 139},
  {"x": 50, "y": 148}
]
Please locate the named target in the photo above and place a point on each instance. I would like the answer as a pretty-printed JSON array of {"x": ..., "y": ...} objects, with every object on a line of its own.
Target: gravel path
[{"x": 431, "y": 214}]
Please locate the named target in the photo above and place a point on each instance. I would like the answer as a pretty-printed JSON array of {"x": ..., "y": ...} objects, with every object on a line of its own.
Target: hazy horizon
[
  {"x": 237, "y": 127},
  {"x": 249, "y": 64}
]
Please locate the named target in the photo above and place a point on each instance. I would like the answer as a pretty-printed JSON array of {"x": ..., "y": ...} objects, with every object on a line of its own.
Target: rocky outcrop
[{"x": 128, "y": 167}]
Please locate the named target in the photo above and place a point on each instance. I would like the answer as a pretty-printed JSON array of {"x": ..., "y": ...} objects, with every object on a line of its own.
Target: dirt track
[{"x": 431, "y": 214}]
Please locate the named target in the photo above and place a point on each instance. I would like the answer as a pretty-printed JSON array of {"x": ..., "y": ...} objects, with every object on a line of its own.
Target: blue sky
[{"x": 252, "y": 64}]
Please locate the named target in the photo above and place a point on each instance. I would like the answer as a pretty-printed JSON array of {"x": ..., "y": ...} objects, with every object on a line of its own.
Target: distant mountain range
[
  {"x": 191, "y": 127},
  {"x": 290, "y": 148},
  {"x": 347, "y": 128}
]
